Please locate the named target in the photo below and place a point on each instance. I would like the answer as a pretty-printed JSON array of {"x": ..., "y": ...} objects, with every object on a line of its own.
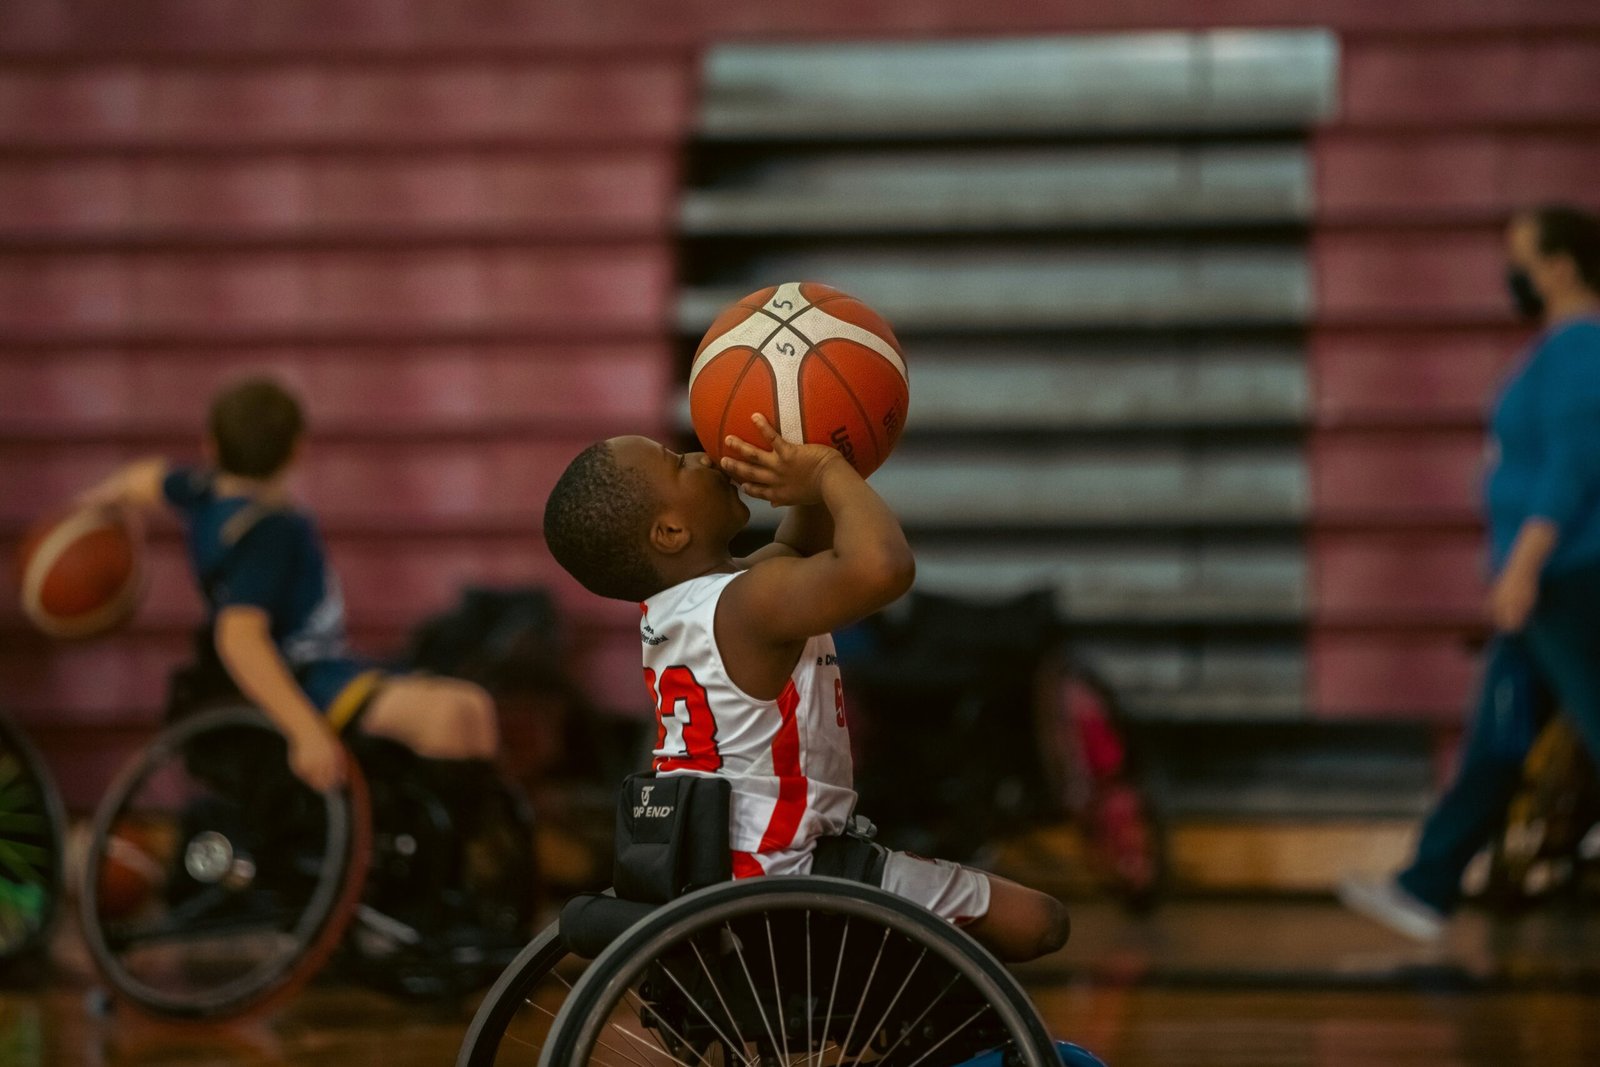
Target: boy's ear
[{"x": 668, "y": 535}]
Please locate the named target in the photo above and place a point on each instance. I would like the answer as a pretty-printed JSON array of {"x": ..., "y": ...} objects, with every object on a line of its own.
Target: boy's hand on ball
[{"x": 784, "y": 473}]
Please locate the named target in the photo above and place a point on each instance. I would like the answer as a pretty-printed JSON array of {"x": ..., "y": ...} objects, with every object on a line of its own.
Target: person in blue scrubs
[{"x": 1542, "y": 504}]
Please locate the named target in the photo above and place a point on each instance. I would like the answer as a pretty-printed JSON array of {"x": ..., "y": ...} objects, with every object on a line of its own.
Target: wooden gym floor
[{"x": 1197, "y": 984}]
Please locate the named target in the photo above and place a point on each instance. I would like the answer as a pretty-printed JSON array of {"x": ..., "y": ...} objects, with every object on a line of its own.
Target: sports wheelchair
[
  {"x": 763, "y": 971},
  {"x": 216, "y": 883}
]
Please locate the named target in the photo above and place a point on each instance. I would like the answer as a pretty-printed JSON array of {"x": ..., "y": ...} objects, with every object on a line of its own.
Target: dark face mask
[{"x": 1528, "y": 302}]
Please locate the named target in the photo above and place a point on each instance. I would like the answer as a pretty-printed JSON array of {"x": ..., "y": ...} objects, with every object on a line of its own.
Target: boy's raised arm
[
  {"x": 867, "y": 566},
  {"x": 136, "y": 485}
]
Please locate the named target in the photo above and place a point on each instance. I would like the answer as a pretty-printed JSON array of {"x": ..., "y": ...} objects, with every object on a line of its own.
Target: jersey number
[{"x": 686, "y": 732}]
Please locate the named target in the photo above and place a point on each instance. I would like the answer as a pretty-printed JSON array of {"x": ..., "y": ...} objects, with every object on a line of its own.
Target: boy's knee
[
  {"x": 463, "y": 726},
  {"x": 1055, "y": 926}
]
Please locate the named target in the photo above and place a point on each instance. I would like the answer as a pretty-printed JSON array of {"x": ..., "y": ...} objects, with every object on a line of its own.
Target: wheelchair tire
[
  {"x": 511, "y": 994},
  {"x": 941, "y": 959},
  {"x": 32, "y": 825},
  {"x": 216, "y": 884}
]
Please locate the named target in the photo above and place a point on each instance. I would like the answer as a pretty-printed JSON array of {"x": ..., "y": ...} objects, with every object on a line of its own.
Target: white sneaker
[{"x": 1383, "y": 901}]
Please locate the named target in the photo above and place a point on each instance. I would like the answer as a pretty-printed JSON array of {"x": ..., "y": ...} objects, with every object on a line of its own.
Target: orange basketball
[
  {"x": 130, "y": 872},
  {"x": 819, "y": 364},
  {"x": 81, "y": 575}
]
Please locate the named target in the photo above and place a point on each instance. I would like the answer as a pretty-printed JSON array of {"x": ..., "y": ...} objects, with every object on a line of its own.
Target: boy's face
[{"x": 688, "y": 485}]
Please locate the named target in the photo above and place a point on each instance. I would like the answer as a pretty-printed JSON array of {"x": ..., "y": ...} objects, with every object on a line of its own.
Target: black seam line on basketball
[
  {"x": 761, "y": 348},
  {"x": 866, "y": 421},
  {"x": 754, "y": 358}
]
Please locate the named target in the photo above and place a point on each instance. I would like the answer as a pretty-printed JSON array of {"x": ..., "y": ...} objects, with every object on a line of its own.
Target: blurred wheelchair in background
[
  {"x": 32, "y": 826},
  {"x": 216, "y": 883}
]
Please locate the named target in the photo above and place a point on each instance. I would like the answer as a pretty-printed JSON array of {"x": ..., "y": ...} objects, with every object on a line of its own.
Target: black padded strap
[{"x": 850, "y": 856}]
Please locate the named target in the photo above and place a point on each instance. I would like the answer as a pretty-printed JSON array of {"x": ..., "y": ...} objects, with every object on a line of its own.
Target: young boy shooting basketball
[
  {"x": 737, "y": 652},
  {"x": 275, "y": 609}
]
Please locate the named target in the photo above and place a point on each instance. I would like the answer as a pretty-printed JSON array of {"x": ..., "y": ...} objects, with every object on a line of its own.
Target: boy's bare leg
[
  {"x": 1021, "y": 924},
  {"x": 437, "y": 718}
]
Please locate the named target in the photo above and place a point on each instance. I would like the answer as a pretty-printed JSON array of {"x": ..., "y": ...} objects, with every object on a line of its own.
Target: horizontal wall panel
[
  {"x": 1494, "y": 79},
  {"x": 1421, "y": 277},
  {"x": 1397, "y": 578},
  {"x": 964, "y": 288},
  {"x": 572, "y": 389},
  {"x": 1399, "y": 377},
  {"x": 53, "y": 295},
  {"x": 986, "y": 487},
  {"x": 1392, "y": 675},
  {"x": 944, "y": 190},
  {"x": 1398, "y": 476},
  {"x": 1127, "y": 583},
  {"x": 1214, "y": 681},
  {"x": 556, "y": 27},
  {"x": 308, "y": 103},
  {"x": 1433, "y": 178},
  {"x": 377, "y": 482},
  {"x": 1021, "y": 387},
  {"x": 290, "y": 196},
  {"x": 1231, "y": 79}
]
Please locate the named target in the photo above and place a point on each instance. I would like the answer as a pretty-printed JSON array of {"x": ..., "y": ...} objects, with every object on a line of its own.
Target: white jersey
[{"x": 788, "y": 759}]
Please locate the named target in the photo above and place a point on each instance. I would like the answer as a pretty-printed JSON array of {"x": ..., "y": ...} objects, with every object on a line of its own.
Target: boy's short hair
[
  {"x": 596, "y": 523},
  {"x": 255, "y": 424}
]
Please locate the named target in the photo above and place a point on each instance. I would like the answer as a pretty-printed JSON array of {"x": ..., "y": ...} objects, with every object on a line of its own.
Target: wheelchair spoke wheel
[
  {"x": 780, "y": 971},
  {"x": 31, "y": 823},
  {"x": 216, "y": 883}
]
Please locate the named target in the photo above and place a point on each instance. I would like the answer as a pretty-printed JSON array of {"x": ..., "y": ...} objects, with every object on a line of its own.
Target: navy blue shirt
[
  {"x": 1545, "y": 437},
  {"x": 278, "y": 564}
]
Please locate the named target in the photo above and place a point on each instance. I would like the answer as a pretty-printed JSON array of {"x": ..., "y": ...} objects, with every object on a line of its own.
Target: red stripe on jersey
[
  {"x": 746, "y": 866},
  {"x": 791, "y": 805}
]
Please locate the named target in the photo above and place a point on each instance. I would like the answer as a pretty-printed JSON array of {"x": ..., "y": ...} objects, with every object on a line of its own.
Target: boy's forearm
[
  {"x": 865, "y": 528},
  {"x": 806, "y": 528}
]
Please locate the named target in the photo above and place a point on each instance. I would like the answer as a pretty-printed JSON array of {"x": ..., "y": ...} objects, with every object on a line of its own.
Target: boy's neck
[
  {"x": 267, "y": 490},
  {"x": 689, "y": 570}
]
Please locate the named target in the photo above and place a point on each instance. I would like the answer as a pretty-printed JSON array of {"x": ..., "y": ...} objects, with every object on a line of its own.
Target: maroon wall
[{"x": 450, "y": 223}]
